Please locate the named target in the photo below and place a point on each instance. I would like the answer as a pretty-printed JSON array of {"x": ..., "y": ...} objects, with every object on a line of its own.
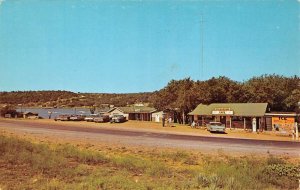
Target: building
[
  {"x": 233, "y": 115},
  {"x": 280, "y": 121},
  {"x": 117, "y": 111},
  {"x": 134, "y": 112},
  {"x": 157, "y": 116},
  {"x": 30, "y": 115}
]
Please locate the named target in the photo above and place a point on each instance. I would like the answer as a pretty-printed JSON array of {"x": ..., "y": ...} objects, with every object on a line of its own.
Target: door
[{"x": 156, "y": 118}]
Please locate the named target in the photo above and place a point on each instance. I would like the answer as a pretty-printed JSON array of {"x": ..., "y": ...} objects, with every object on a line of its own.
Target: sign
[
  {"x": 283, "y": 120},
  {"x": 283, "y": 123},
  {"x": 222, "y": 109},
  {"x": 217, "y": 112}
]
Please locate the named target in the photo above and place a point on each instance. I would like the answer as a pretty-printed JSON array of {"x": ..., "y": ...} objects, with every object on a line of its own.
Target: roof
[
  {"x": 136, "y": 109},
  {"x": 28, "y": 113},
  {"x": 292, "y": 114},
  {"x": 103, "y": 110},
  {"x": 235, "y": 109}
]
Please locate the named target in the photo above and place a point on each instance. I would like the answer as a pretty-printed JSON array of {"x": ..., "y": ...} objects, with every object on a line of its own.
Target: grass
[{"x": 28, "y": 165}]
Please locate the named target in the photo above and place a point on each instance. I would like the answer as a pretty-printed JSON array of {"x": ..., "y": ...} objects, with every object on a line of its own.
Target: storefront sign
[
  {"x": 222, "y": 112},
  {"x": 283, "y": 123},
  {"x": 222, "y": 109}
]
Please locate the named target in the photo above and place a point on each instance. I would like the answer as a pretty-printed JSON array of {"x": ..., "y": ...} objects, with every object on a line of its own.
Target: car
[
  {"x": 77, "y": 118},
  {"x": 101, "y": 119},
  {"x": 62, "y": 117},
  {"x": 118, "y": 119},
  {"x": 90, "y": 117},
  {"x": 216, "y": 127}
]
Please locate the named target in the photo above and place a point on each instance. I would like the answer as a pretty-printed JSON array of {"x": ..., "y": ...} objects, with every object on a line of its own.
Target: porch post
[
  {"x": 296, "y": 131},
  {"x": 244, "y": 123}
]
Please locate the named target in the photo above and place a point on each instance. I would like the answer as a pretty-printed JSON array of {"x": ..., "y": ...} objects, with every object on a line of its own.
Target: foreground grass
[{"x": 27, "y": 165}]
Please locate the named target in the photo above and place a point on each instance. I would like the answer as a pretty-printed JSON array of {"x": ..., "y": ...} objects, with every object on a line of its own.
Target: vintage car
[
  {"x": 77, "y": 118},
  {"x": 118, "y": 119},
  {"x": 101, "y": 119},
  {"x": 215, "y": 127},
  {"x": 90, "y": 117},
  {"x": 63, "y": 117}
]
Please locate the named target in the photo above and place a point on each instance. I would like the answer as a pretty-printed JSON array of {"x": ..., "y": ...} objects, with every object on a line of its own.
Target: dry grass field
[{"x": 28, "y": 162}]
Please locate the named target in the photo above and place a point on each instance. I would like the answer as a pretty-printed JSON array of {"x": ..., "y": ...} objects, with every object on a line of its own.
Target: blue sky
[{"x": 138, "y": 46}]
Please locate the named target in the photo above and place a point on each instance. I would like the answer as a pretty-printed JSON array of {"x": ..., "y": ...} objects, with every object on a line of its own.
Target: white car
[{"x": 216, "y": 127}]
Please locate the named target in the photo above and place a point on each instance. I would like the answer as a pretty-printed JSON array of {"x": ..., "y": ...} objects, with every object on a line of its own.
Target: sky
[{"x": 139, "y": 46}]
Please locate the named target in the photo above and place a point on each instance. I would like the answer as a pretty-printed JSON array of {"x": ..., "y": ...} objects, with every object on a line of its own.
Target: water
[{"x": 45, "y": 112}]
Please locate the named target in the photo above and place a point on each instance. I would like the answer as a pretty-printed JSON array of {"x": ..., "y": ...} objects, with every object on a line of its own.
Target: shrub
[
  {"x": 274, "y": 160},
  {"x": 282, "y": 175}
]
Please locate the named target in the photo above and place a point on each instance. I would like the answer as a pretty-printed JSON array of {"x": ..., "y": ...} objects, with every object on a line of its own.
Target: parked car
[
  {"x": 118, "y": 119},
  {"x": 62, "y": 118},
  {"x": 101, "y": 119},
  {"x": 216, "y": 127},
  {"x": 77, "y": 118},
  {"x": 90, "y": 117}
]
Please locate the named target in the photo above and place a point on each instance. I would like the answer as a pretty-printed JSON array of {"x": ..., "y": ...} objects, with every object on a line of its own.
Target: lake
[{"x": 45, "y": 112}]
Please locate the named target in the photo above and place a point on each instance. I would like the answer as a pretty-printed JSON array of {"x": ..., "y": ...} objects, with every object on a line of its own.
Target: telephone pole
[{"x": 202, "y": 45}]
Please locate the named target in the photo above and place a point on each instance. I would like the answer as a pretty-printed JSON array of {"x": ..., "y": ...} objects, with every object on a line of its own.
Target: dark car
[
  {"x": 77, "y": 118},
  {"x": 101, "y": 119},
  {"x": 62, "y": 118},
  {"x": 118, "y": 119},
  {"x": 90, "y": 117}
]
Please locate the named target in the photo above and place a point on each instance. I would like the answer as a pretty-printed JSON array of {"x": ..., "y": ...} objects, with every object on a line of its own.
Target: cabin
[
  {"x": 30, "y": 115},
  {"x": 116, "y": 111},
  {"x": 158, "y": 116},
  {"x": 134, "y": 112}
]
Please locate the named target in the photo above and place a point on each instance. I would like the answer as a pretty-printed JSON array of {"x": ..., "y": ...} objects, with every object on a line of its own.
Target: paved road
[{"x": 154, "y": 139}]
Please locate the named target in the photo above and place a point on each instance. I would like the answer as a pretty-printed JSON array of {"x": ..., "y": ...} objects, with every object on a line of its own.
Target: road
[{"x": 153, "y": 139}]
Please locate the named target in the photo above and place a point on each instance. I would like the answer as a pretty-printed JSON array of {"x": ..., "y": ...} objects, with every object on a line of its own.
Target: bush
[{"x": 282, "y": 175}]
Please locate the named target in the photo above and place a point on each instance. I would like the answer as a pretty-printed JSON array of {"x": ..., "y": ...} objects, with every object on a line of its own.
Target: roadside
[
  {"x": 35, "y": 164},
  {"x": 145, "y": 126},
  {"x": 120, "y": 136}
]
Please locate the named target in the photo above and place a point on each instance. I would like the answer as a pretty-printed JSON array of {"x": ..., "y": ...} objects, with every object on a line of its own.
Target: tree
[
  {"x": 273, "y": 89},
  {"x": 8, "y": 109}
]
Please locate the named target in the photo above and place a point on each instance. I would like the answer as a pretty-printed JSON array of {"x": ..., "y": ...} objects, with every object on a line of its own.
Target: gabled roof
[
  {"x": 115, "y": 108},
  {"x": 239, "y": 109},
  {"x": 103, "y": 110},
  {"x": 28, "y": 113},
  {"x": 135, "y": 109}
]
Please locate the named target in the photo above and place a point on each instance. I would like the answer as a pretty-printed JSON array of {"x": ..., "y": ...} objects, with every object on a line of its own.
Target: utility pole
[{"x": 202, "y": 45}]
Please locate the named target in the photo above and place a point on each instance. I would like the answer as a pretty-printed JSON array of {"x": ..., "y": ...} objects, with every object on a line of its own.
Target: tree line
[
  {"x": 181, "y": 96},
  {"x": 70, "y": 99}
]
